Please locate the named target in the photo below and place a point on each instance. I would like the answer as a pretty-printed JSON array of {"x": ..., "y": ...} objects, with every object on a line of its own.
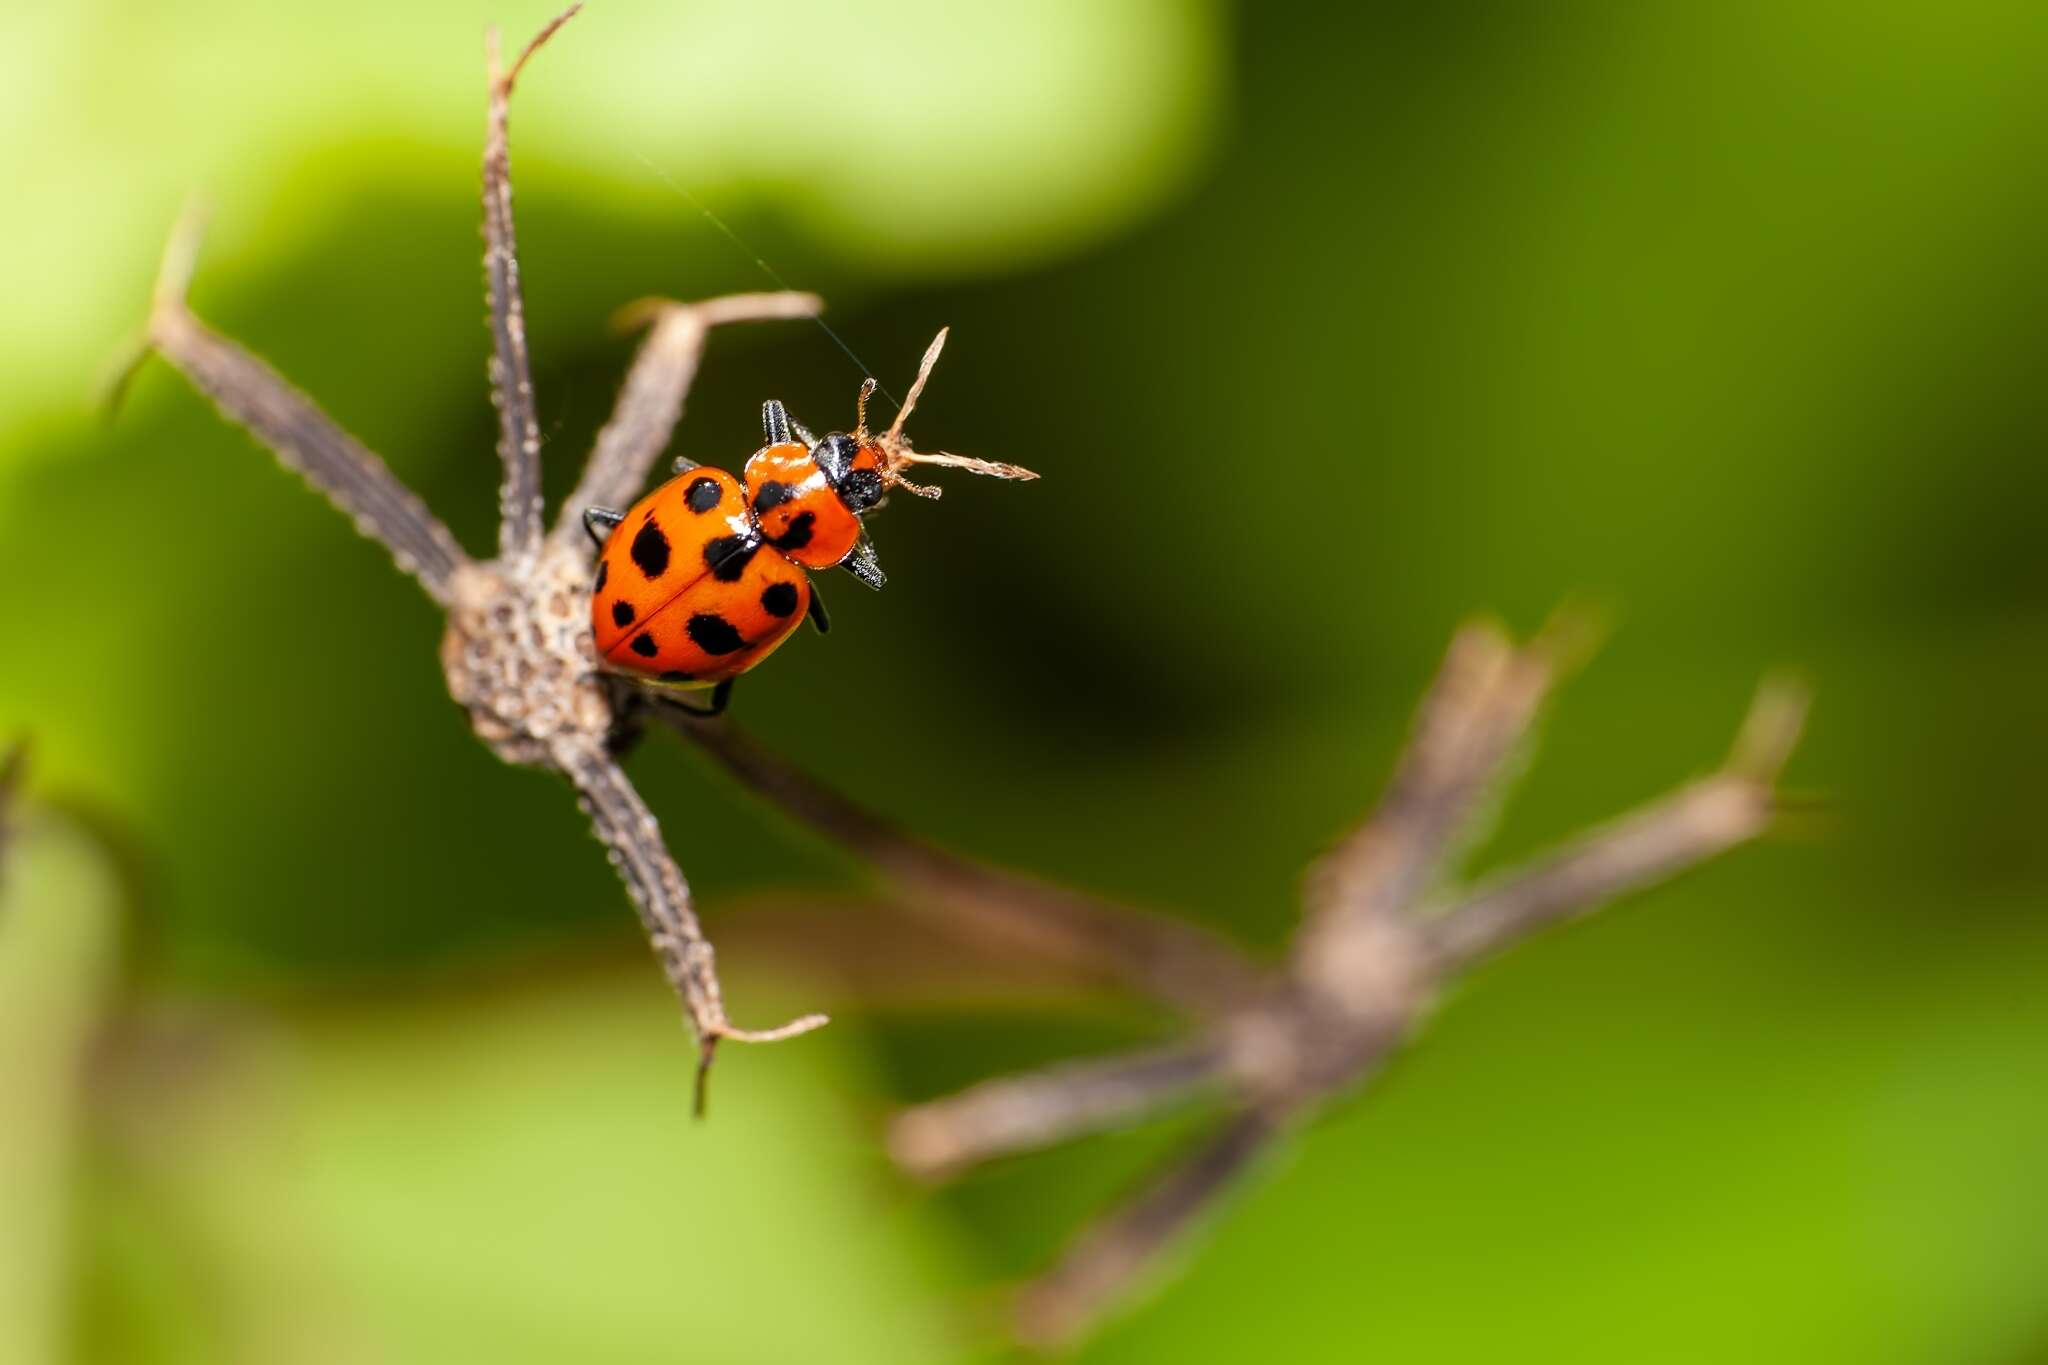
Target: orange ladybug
[{"x": 701, "y": 579}]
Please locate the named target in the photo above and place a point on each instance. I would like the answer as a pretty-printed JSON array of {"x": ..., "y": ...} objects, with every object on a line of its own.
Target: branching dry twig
[
  {"x": 511, "y": 370},
  {"x": 1019, "y": 1113},
  {"x": 517, "y": 653},
  {"x": 1165, "y": 958},
  {"x": 1377, "y": 948},
  {"x": 305, "y": 439},
  {"x": 1062, "y": 1304}
]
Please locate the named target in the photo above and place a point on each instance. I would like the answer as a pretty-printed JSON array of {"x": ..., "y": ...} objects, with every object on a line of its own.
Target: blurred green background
[{"x": 325, "y": 1037}]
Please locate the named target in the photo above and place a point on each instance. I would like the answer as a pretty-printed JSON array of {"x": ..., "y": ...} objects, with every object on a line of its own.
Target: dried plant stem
[
  {"x": 1639, "y": 850},
  {"x": 511, "y": 369},
  {"x": 1485, "y": 696},
  {"x": 253, "y": 396},
  {"x": 1062, "y": 1304},
  {"x": 1152, "y": 954},
  {"x": 1019, "y": 1113},
  {"x": 517, "y": 653},
  {"x": 1376, "y": 949}
]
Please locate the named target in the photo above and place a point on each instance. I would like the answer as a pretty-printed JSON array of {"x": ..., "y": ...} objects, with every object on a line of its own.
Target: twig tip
[
  {"x": 181, "y": 256},
  {"x": 502, "y": 82},
  {"x": 1574, "y": 633},
  {"x": 795, "y": 1028},
  {"x": 707, "y": 1048},
  {"x": 1771, "y": 730},
  {"x": 922, "y": 1144},
  {"x": 640, "y": 313},
  {"x": 167, "y": 297}
]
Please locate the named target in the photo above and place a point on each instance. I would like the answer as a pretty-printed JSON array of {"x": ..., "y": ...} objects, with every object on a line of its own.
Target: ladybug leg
[
  {"x": 803, "y": 433},
  {"x": 861, "y": 563},
  {"x": 599, "y": 521},
  {"x": 684, "y": 464},
  {"x": 721, "y": 697},
  {"x": 629, "y": 717},
  {"x": 818, "y": 616},
  {"x": 775, "y": 423}
]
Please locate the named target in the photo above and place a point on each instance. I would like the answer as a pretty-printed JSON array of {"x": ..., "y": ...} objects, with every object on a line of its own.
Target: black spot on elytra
[
  {"x": 773, "y": 494},
  {"x": 703, "y": 495},
  {"x": 799, "y": 533},
  {"x": 622, "y": 613},
  {"x": 714, "y": 634},
  {"x": 780, "y": 599},
  {"x": 650, "y": 550},
  {"x": 644, "y": 646},
  {"x": 604, "y": 571},
  {"x": 677, "y": 675},
  {"x": 728, "y": 556}
]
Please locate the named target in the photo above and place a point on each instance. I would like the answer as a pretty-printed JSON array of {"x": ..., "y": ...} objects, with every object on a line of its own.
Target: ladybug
[{"x": 704, "y": 577}]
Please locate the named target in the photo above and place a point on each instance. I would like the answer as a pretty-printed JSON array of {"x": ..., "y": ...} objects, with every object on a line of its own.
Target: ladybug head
[
  {"x": 854, "y": 471},
  {"x": 808, "y": 495},
  {"x": 873, "y": 465}
]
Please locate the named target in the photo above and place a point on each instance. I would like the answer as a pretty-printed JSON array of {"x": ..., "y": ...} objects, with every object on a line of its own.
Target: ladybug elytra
[{"x": 701, "y": 579}]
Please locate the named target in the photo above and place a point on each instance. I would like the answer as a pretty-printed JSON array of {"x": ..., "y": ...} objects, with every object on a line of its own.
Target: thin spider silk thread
[{"x": 766, "y": 269}]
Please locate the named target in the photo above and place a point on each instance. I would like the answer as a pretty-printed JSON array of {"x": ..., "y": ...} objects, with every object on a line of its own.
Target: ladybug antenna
[
  {"x": 896, "y": 446},
  {"x": 860, "y": 409}
]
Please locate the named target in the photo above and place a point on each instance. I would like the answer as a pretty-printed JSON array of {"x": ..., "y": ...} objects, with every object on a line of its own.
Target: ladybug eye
[
  {"x": 835, "y": 455},
  {"x": 860, "y": 490}
]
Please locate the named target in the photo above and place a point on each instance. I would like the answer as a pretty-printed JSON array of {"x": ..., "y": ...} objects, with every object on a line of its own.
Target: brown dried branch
[
  {"x": 517, "y": 652},
  {"x": 253, "y": 396},
  {"x": 633, "y": 843},
  {"x": 511, "y": 370},
  {"x": 888, "y": 956},
  {"x": 1108, "y": 1258},
  {"x": 1641, "y": 849},
  {"x": 1019, "y": 1113},
  {"x": 1458, "y": 735},
  {"x": 1370, "y": 960},
  {"x": 1164, "y": 958},
  {"x": 1479, "y": 708},
  {"x": 651, "y": 400}
]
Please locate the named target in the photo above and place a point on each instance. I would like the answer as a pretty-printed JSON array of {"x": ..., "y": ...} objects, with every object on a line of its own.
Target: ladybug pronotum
[{"x": 701, "y": 579}]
